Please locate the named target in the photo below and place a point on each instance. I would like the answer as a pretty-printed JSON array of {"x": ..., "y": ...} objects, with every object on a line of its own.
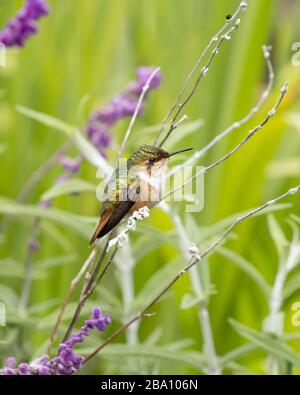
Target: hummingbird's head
[{"x": 152, "y": 158}]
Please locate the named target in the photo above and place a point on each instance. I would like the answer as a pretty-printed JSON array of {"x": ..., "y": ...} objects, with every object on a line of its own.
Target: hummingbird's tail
[
  {"x": 93, "y": 239},
  {"x": 103, "y": 221},
  {"x": 111, "y": 218}
]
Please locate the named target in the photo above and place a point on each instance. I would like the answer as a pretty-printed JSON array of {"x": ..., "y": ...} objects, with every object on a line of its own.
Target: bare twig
[
  {"x": 71, "y": 290},
  {"x": 193, "y": 261},
  {"x": 105, "y": 269},
  {"x": 219, "y": 137},
  {"x": 87, "y": 289},
  {"x": 137, "y": 109},
  {"x": 177, "y": 107},
  {"x": 252, "y": 132}
]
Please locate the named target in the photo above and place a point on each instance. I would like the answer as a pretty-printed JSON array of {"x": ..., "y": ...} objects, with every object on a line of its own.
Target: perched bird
[{"x": 137, "y": 183}]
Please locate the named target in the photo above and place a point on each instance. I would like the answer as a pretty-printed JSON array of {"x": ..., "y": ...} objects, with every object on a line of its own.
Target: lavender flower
[
  {"x": 23, "y": 25},
  {"x": 67, "y": 361},
  {"x": 121, "y": 106}
]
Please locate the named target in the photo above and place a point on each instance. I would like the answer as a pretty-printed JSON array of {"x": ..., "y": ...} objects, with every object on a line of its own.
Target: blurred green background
[{"x": 93, "y": 47}]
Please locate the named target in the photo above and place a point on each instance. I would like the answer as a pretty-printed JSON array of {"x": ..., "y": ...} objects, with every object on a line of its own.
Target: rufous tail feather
[{"x": 103, "y": 221}]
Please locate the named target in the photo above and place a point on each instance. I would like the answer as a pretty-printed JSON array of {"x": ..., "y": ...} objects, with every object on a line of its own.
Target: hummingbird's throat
[{"x": 152, "y": 182}]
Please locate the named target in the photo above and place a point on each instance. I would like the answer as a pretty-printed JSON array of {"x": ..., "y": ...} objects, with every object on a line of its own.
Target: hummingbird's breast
[{"x": 151, "y": 190}]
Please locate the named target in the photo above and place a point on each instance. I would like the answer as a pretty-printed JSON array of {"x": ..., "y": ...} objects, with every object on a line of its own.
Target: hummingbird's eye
[{"x": 151, "y": 161}]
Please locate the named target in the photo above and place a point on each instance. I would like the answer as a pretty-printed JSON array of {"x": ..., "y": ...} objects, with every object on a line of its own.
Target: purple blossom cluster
[
  {"x": 67, "y": 361},
  {"x": 24, "y": 24},
  {"x": 121, "y": 106}
]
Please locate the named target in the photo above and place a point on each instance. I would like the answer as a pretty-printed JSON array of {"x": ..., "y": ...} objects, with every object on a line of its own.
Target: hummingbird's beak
[{"x": 181, "y": 150}]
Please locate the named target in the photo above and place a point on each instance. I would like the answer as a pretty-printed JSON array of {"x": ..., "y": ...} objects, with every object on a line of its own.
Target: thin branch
[
  {"x": 193, "y": 261},
  {"x": 71, "y": 290},
  {"x": 219, "y": 137},
  {"x": 104, "y": 271},
  {"x": 137, "y": 109},
  {"x": 177, "y": 106},
  {"x": 86, "y": 290},
  {"x": 252, "y": 132}
]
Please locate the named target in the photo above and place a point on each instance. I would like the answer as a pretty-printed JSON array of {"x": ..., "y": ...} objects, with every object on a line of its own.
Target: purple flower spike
[
  {"x": 36, "y": 9},
  {"x": 10, "y": 362},
  {"x": 23, "y": 25},
  {"x": 67, "y": 362},
  {"x": 144, "y": 73},
  {"x": 24, "y": 369},
  {"x": 99, "y": 135},
  {"x": 99, "y": 320}
]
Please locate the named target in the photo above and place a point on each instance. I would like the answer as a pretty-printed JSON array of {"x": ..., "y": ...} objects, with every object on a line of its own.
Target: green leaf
[
  {"x": 43, "y": 306},
  {"x": 157, "y": 282},
  {"x": 10, "y": 268},
  {"x": 225, "y": 222},
  {"x": 154, "y": 336},
  {"x": 74, "y": 185},
  {"x": 141, "y": 247},
  {"x": 292, "y": 285},
  {"x": 83, "y": 145},
  {"x": 8, "y": 296},
  {"x": 58, "y": 236},
  {"x": 277, "y": 235},
  {"x": 154, "y": 233},
  {"x": 247, "y": 267},
  {"x": 47, "y": 120},
  {"x": 237, "y": 353},
  {"x": 188, "y": 301},
  {"x": 291, "y": 336},
  {"x": 192, "y": 358},
  {"x": 268, "y": 343},
  {"x": 80, "y": 224},
  {"x": 49, "y": 263},
  {"x": 295, "y": 218}
]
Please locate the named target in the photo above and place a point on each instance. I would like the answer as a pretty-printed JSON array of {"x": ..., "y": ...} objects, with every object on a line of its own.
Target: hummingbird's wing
[{"x": 114, "y": 210}]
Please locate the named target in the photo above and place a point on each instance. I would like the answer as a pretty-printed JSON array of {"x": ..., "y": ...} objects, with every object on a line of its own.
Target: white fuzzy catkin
[{"x": 122, "y": 238}]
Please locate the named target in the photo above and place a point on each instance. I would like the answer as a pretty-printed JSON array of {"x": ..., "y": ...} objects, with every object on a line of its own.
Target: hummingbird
[{"x": 137, "y": 183}]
